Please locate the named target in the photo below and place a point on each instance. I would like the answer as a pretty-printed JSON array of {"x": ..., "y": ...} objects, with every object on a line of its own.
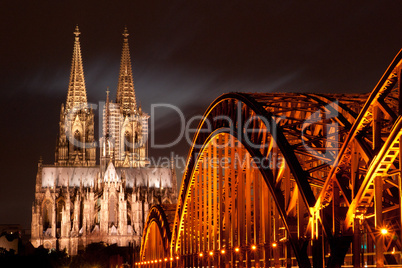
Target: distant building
[{"x": 78, "y": 202}]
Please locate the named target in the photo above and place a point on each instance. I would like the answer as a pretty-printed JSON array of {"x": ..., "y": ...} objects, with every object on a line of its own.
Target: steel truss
[{"x": 281, "y": 179}]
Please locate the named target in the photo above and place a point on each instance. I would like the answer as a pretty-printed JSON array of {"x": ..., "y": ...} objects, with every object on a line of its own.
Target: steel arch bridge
[{"x": 282, "y": 180}]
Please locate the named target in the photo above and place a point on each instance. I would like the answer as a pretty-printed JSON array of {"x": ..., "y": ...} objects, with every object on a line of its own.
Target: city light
[
  {"x": 223, "y": 251},
  {"x": 274, "y": 244},
  {"x": 201, "y": 254},
  {"x": 253, "y": 247},
  {"x": 237, "y": 249},
  {"x": 384, "y": 231},
  {"x": 177, "y": 257},
  {"x": 171, "y": 258},
  {"x": 166, "y": 259},
  {"x": 211, "y": 253}
]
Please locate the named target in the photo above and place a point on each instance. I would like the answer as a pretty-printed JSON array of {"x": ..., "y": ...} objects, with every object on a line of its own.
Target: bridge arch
[
  {"x": 264, "y": 125},
  {"x": 156, "y": 239}
]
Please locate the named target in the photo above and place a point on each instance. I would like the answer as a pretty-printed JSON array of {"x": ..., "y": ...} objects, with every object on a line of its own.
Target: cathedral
[{"x": 81, "y": 199}]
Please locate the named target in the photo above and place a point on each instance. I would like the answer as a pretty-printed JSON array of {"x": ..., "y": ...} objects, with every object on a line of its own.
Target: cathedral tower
[
  {"x": 125, "y": 128},
  {"x": 76, "y": 143},
  {"x": 125, "y": 88}
]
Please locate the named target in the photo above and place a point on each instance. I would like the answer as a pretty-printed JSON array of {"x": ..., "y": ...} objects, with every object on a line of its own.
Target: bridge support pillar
[
  {"x": 288, "y": 255},
  {"x": 379, "y": 243},
  {"x": 400, "y": 173},
  {"x": 233, "y": 259},
  {"x": 221, "y": 260},
  {"x": 356, "y": 243},
  {"x": 317, "y": 253},
  {"x": 266, "y": 256},
  {"x": 248, "y": 259},
  {"x": 241, "y": 259}
]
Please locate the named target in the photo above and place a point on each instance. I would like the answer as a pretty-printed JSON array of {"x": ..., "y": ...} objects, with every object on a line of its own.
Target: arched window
[
  {"x": 128, "y": 213},
  {"x": 47, "y": 215},
  {"x": 59, "y": 215},
  {"x": 98, "y": 210},
  {"x": 136, "y": 140},
  {"x": 112, "y": 210},
  {"x": 127, "y": 141},
  {"x": 77, "y": 140}
]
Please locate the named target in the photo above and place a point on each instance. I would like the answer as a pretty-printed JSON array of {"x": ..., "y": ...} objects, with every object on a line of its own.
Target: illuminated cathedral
[{"x": 81, "y": 199}]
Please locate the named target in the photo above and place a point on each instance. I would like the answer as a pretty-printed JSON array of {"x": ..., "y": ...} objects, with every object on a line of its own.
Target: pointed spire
[
  {"x": 77, "y": 94},
  {"x": 125, "y": 88},
  {"x": 107, "y": 114}
]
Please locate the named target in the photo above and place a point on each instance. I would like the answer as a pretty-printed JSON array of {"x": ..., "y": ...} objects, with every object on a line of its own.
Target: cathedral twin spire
[
  {"x": 77, "y": 95},
  {"x": 125, "y": 88},
  {"x": 76, "y": 143}
]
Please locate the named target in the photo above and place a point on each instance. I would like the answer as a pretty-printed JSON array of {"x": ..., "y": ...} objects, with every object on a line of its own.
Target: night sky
[{"x": 184, "y": 53}]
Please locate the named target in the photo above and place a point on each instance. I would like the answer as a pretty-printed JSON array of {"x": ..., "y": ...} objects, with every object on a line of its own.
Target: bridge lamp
[
  {"x": 166, "y": 259},
  {"x": 384, "y": 231},
  {"x": 236, "y": 249},
  {"x": 211, "y": 253},
  {"x": 223, "y": 251},
  {"x": 171, "y": 258},
  {"x": 160, "y": 260},
  {"x": 152, "y": 261},
  {"x": 274, "y": 244},
  {"x": 253, "y": 247},
  {"x": 177, "y": 257},
  {"x": 201, "y": 254}
]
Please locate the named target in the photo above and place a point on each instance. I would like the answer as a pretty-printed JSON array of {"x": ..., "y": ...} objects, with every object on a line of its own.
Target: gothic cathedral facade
[{"x": 77, "y": 201}]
